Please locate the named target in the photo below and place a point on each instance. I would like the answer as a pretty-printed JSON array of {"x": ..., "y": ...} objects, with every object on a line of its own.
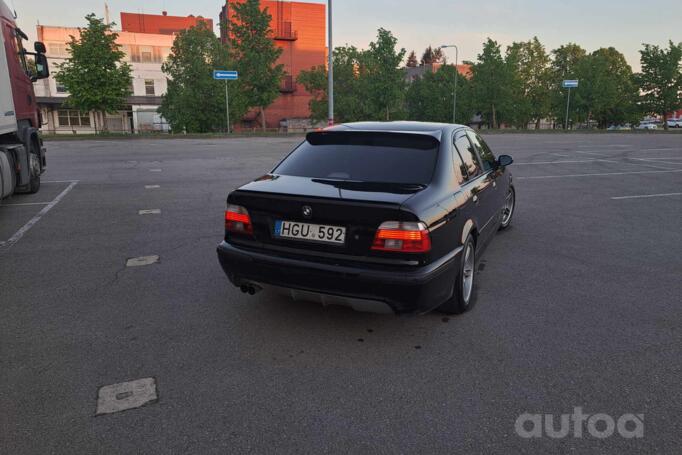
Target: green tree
[
  {"x": 607, "y": 93},
  {"x": 349, "y": 105},
  {"x": 412, "y": 61},
  {"x": 430, "y": 98},
  {"x": 194, "y": 102},
  {"x": 432, "y": 55},
  {"x": 565, "y": 65},
  {"x": 252, "y": 48},
  {"x": 492, "y": 80},
  {"x": 530, "y": 67},
  {"x": 368, "y": 84},
  {"x": 95, "y": 75},
  {"x": 661, "y": 79},
  {"x": 382, "y": 78}
]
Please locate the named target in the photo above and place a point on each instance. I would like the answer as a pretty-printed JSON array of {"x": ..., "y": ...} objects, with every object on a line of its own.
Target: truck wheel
[{"x": 34, "y": 161}]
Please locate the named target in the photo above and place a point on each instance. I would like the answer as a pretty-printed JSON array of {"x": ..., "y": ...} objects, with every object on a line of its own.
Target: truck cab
[{"x": 22, "y": 155}]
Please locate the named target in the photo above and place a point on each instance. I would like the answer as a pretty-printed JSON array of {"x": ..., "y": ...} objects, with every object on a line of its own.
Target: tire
[
  {"x": 464, "y": 289},
  {"x": 508, "y": 209},
  {"x": 34, "y": 157}
]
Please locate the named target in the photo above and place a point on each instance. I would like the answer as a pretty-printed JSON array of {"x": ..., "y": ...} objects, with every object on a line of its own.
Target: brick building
[
  {"x": 299, "y": 29},
  {"x": 160, "y": 24},
  {"x": 146, "y": 40}
]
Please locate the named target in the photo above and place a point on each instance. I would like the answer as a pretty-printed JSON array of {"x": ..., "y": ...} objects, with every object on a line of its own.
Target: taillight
[
  {"x": 237, "y": 220},
  {"x": 403, "y": 237}
]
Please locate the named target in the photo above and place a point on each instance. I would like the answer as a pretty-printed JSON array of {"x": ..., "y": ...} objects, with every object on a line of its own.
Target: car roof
[{"x": 428, "y": 128}]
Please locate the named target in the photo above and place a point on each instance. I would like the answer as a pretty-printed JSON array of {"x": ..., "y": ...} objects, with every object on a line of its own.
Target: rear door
[
  {"x": 481, "y": 185},
  {"x": 489, "y": 163}
]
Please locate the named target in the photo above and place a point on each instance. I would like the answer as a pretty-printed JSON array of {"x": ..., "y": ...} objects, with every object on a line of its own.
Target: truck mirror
[
  {"x": 39, "y": 47},
  {"x": 42, "y": 69}
]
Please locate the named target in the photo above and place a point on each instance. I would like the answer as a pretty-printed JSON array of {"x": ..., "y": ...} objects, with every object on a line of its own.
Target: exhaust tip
[
  {"x": 252, "y": 290},
  {"x": 244, "y": 288}
]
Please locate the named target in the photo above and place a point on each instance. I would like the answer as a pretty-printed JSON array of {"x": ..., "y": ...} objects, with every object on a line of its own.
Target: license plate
[{"x": 310, "y": 232}]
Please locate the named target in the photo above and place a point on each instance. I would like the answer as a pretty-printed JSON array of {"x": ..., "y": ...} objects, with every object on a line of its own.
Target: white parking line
[
  {"x": 25, "y": 228},
  {"x": 152, "y": 187},
  {"x": 594, "y": 175},
  {"x": 591, "y": 153},
  {"x": 605, "y": 145},
  {"x": 156, "y": 170},
  {"x": 149, "y": 212},
  {"x": 558, "y": 162},
  {"x": 641, "y": 196},
  {"x": 23, "y": 204},
  {"x": 651, "y": 165},
  {"x": 657, "y": 161}
]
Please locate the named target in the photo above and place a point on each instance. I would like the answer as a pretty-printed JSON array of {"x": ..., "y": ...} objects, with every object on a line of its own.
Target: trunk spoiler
[{"x": 409, "y": 139}]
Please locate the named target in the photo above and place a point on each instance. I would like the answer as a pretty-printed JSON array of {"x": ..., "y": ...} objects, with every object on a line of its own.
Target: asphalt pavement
[{"x": 578, "y": 307}]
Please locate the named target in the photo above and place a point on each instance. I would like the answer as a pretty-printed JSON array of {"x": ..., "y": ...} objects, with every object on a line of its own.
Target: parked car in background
[
  {"x": 647, "y": 126},
  {"x": 674, "y": 123},
  {"x": 375, "y": 216},
  {"x": 626, "y": 127}
]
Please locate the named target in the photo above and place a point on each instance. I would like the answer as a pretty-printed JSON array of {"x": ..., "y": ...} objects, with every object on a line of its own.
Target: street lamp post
[
  {"x": 330, "y": 70},
  {"x": 454, "y": 97}
]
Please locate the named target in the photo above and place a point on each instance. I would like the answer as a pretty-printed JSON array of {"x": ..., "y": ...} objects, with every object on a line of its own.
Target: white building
[{"x": 145, "y": 52}]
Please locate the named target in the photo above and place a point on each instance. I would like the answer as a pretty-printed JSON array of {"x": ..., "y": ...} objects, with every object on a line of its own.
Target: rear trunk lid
[
  {"x": 334, "y": 180},
  {"x": 360, "y": 209}
]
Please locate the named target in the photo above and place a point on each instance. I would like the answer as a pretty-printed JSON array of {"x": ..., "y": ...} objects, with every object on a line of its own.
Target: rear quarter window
[{"x": 365, "y": 157}]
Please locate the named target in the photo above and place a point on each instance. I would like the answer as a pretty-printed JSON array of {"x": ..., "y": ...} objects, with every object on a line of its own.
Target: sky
[{"x": 625, "y": 24}]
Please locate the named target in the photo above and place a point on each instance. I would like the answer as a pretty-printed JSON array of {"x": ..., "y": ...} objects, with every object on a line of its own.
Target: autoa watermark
[{"x": 599, "y": 426}]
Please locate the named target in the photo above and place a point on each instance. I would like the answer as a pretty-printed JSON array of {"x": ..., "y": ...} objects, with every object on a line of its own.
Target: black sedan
[{"x": 377, "y": 216}]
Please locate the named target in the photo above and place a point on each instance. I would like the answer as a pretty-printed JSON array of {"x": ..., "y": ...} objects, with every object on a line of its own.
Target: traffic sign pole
[
  {"x": 569, "y": 84},
  {"x": 568, "y": 103},
  {"x": 227, "y": 107},
  {"x": 226, "y": 76}
]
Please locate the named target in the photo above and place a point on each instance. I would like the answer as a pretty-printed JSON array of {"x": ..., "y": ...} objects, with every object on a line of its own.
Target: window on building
[
  {"x": 146, "y": 54},
  {"x": 60, "y": 87},
  {"x": 126, "y": 50},
  {"x": 72, "y": 117},
  {"x": 149, "y": 87},
  {"x": 165, "y": 53},
  {"x": 134, "y": 53},
  {"x": 57, "y": 49}
]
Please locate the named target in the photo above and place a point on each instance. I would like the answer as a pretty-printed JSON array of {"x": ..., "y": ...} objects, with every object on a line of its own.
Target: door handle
[{"x": 475, "y": 199}]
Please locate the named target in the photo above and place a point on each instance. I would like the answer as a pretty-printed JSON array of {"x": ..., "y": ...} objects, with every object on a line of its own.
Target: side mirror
[
  {"x": 39, "y": 47},
  {"x": 504, "y": 160},
  {"x": 42, "y": 68}
]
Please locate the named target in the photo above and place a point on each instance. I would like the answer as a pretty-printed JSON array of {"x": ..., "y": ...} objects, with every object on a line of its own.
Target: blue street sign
[
  {"x": 225, "y": 75},
  {"x": 570, "y": 84}
]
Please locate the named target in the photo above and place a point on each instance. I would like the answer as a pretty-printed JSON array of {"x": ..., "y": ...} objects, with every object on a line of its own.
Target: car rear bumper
[{"x": 416, "y": 290}]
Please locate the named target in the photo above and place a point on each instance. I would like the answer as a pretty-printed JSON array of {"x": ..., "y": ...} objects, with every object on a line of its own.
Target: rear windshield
[{"x": 365, "y": 157}]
